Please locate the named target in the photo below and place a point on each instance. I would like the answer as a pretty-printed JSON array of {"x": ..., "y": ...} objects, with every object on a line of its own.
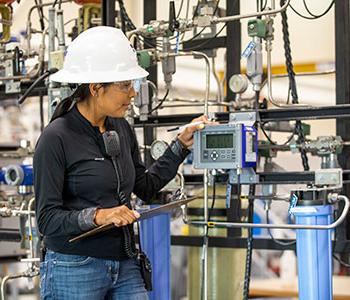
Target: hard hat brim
[{"x": 99, "y": 77}]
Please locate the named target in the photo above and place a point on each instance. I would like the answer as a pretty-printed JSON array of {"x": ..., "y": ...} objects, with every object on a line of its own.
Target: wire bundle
[
  {"x": 292, "y": 85},
  {"x": 129, "y": 24}
]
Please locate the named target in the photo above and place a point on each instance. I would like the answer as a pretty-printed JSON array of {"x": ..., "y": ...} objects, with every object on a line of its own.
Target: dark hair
[{"x": 81, "y": 93}]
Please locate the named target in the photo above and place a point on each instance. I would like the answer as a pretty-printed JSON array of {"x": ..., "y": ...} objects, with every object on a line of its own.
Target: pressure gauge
[
  {"x": 238, "y": 83},
  {"x": 158, "y": 148}
]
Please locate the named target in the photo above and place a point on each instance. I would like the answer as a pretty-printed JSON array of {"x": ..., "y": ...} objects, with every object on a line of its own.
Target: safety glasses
[{"x": 127, "y": 85}]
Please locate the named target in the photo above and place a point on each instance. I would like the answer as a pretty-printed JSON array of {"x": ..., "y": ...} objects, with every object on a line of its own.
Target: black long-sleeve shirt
[{"x": 72, "y": 172}]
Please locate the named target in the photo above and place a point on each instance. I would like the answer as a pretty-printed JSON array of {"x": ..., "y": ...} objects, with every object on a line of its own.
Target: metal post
[
  {"x": 342, "y": 60},
  {"x": 108, "y": 13},
  {"x": 233, "y": 66},
  {"x": 52, "y": 31},
  {"x": 233, "y": 40}
]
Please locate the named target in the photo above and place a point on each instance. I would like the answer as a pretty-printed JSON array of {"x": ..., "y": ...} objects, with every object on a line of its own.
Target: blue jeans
[{"x": 75, "y": 277}]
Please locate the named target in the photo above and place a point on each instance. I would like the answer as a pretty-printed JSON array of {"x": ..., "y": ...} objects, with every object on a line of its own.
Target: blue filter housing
[
  {"x": 155, "y": 240},
  {"x": 314, "y": 252}
]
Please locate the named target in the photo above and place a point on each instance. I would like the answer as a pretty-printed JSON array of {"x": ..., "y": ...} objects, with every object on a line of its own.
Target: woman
[{"x": 75, "y": 180}]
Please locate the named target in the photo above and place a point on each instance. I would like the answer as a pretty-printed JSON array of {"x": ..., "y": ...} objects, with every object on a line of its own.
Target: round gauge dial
[
  {"x": 238, "y": 83},
  {"x": 158, "y": 148}
]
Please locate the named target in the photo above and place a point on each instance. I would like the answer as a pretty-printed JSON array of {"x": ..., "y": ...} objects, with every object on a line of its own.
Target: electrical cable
[
  {"x": 128, "y": 22},
  {"x": 321, "y": 15},
  {"x": 123, "y": 22},
  {"x": 180, "y": 9},
  {"x": 129, "y": 247},
  {"x": 248, "y": 263},
  {"x": 273, "y": 142},
  {"x": 272, "y": 237},
  {"x": 41, "y": 15},
  {"x": 313, "y": 16},
  {"x": 161, "y": 101},
  {"x": 186, "y": 17},
  {"x": 263, "y": 7},
  {"x": 35, "y": 83},
  {"x": 293, "y": 87},
  {"x": 260, "y": 6},
  {"x": 195, "y": 10},
  {"x": 341, "y": 262}
]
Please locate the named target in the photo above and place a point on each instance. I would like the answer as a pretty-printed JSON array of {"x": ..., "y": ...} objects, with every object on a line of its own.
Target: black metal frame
[
  {"x": 150, "y": 13},
  {"x": 10, "y": 235},
  {"x": 238, "y": 242},
  {"x": 305, "y": 177},
  {"x": 266, "y": 115},
  {"x": 108, "y": 13}
]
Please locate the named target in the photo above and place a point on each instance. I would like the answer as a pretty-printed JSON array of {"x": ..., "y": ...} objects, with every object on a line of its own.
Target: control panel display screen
[{"x": 217, "y": 141}]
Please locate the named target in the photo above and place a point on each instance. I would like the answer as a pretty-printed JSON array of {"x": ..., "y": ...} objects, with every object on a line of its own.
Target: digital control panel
[{"x": 228, "y": 146}]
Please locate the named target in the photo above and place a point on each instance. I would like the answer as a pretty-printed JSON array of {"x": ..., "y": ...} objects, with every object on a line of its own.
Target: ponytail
[
  {"x": 81, "y": 93},
  {"x": 62, "y": 108}
]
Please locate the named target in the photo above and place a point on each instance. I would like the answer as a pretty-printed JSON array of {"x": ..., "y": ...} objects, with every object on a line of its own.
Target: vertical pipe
[
  {"x": 108, "y": 13},
  {"x": 233, "y": 66},
  {"x": 205, "y": 241},
  {"x": 51, "y": 48},
  {"x": 30, "y": 231},
  {"x": 60, "y": 30},
  {"x": 52, "y": 31},
  {"x": 314, "y": 251}
]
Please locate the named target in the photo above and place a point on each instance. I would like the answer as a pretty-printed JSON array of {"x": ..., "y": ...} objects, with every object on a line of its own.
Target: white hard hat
[{"x": 98, "y": 55}]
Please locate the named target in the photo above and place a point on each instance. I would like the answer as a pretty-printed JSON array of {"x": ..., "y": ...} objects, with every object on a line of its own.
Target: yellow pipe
[{"x": 6, "y": 16}]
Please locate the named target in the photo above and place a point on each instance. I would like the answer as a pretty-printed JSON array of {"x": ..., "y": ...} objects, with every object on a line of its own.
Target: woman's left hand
[{"x": 186, "y": 136}]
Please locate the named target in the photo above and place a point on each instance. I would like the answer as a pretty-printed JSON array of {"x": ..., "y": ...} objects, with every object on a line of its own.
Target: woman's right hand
[{"x": 119, "y": 216}]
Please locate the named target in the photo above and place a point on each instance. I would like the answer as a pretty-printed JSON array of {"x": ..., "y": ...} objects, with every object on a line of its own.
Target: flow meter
[{"x": 226, "y": 146}]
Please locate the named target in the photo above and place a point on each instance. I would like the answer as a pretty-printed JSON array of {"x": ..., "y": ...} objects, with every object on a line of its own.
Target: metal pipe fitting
[{"x": 216, "y": 20}]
